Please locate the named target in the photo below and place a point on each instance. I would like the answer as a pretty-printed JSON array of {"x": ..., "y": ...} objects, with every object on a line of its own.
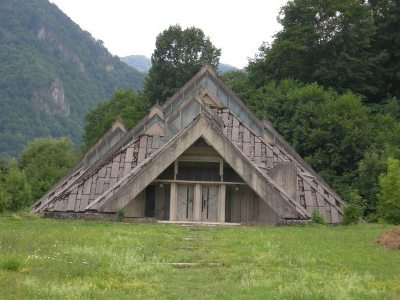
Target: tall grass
[{"x": 42, "y": 258}]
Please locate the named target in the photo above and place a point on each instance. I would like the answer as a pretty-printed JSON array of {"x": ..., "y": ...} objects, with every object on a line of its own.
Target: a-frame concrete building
[{"x": 201, "y": 157}]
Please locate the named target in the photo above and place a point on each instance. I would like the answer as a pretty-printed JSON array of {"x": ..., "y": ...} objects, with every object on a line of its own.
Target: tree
[
  {"x": 124, "y": 105},
  {"x": 331, "y": 131},
  {"x": 322, "y": 41},
  {"x": 4, "y": 197},
  {"x": 389, "y": 197},
  {"x": 45, "y": 161},
  {"x": 238, "y": 81},
  {"x": 369, "y": 169},
  {"x": 179, "y": 55},
  {"x": 386, "y": 43},
  {"x": 18, "y": 191}
]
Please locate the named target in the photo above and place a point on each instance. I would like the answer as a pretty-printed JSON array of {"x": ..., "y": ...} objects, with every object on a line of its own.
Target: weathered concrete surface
[
  {"x": 285, "y": 174},
  {"x": 203, "y": 127}
]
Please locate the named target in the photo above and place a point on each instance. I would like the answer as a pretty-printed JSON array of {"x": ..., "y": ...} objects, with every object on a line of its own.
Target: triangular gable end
[
  {"x": 268, "y": 165},
  {"x": 204, "y": 128}
]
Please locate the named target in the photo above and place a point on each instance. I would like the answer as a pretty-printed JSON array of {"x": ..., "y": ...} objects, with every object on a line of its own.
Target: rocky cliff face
[
  {"x": 45, "y": 34},
  {"x": 51, "y": 99}
]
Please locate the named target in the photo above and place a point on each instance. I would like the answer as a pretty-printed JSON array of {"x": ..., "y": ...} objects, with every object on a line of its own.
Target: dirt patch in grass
[{"x": 390, "y": 239}]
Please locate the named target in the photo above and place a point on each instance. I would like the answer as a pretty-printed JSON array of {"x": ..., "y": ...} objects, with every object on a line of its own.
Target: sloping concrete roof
[{"x": 112, "y": 179}]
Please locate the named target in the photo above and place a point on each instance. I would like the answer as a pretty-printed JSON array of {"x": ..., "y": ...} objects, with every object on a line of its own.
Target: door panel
[
  {"x": 209, "y": 203},
  {"x": 185, "y": 202}
]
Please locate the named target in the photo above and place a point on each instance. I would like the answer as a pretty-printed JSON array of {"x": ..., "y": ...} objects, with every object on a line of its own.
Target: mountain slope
[
  {"x": 139, "y": 62},
  {"x": 51, "y": 73},
  {"x": 143, "y": 64},
  {"x": 222, "y": 68}
]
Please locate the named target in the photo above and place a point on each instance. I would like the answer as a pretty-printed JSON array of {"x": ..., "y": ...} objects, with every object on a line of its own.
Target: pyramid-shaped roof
[{"x": 123, "y": 163}]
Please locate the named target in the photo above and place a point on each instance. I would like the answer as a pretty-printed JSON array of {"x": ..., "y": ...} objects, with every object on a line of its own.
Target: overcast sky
[{"x": 130, "y": 27}]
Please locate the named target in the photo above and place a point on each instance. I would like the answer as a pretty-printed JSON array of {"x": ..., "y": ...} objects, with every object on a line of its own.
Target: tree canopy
[
  {"x": 179, "y": 55},
  {"x": 41, "y": 164},
  {"x": 338, "y": 44},
  {"x": 127, "y": 106}
]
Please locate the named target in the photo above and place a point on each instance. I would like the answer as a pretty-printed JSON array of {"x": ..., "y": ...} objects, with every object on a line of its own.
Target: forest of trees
[{"x": 329, "y": 83}]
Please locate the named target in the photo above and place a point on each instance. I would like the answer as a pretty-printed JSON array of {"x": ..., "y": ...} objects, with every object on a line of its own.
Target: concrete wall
[{"x": 135, "y": 208}]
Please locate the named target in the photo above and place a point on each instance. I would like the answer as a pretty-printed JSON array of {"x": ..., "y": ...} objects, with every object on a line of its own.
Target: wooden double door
[
  {"x": 185, "y": 202},
  {"x": 200, "y": 205}
]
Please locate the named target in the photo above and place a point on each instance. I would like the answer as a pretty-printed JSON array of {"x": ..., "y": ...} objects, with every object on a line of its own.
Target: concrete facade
[{"x": 201, "y": 157}]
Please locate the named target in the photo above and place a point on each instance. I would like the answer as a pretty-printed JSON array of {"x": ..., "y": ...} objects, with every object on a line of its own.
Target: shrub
[
  {"x": 120, "y": 214},
  {"x": 317, "y": 218},
  {"x": 389, "y": 197},
  {"x": 352, "y": 213},
  {"x": 354, "y": 208}
]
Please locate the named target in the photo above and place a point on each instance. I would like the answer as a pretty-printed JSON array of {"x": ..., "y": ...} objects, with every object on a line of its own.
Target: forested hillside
[{"x": 51, "y": 73}]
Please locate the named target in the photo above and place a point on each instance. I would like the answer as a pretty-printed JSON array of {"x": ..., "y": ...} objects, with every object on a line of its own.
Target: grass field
[{"x": 49, "y": 259}]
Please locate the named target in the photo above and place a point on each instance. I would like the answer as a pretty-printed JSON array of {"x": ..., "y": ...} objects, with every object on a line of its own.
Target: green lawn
[{"x": 50, "y": 259}]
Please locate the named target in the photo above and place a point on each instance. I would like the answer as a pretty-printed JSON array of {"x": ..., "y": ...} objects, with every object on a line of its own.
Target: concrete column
[
  {"x": 221, "y": 203},
  {"x": 173, "y": 202},
  {"x": 197, "y": 203}
]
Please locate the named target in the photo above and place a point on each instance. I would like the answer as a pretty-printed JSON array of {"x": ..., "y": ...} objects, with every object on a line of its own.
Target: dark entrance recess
[
  {"x": 228, "y": 204},
  {"x": 150, "y": 203}
]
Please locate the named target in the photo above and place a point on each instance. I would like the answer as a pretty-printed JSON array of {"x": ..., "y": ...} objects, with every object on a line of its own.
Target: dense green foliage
[
  {"x": 354, "y": 208},
  {"x": 343, "y": 139},
  {"x": 386, "y": 42},
  {"x": 389, "y": 196},
  {"x": 329, "y": 84},
  {"x": 125, "y": 105},
  {"x": 179, "y": 55},
  {"x": 105, "y": 260},
  {"x": 348, "y": 44},
  {"x": 45, "y": 161},
  {"x": 18, "y": 193},
  {"x": 329, "y": 130},
  {"x": 40, "y": 49},
  {"x": 41, "y": 164}
]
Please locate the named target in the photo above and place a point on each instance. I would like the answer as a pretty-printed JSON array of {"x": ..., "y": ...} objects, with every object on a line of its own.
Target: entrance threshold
[{"x": 199, "y": 223}]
